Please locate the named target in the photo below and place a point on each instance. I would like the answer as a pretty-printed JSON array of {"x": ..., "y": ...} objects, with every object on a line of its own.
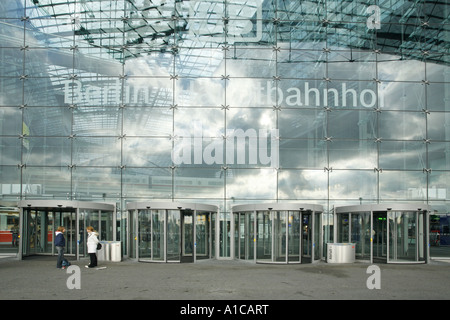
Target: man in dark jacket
[{"x": 60, "y": 243}]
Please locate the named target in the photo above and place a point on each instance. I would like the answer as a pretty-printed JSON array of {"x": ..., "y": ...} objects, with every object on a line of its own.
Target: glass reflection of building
[{"x": 225, "y": 102}]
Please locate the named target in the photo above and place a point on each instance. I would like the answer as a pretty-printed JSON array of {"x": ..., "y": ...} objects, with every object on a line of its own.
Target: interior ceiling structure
[
  {"x": 107, "y": 34},
  {"x": 126, "y": 29}
]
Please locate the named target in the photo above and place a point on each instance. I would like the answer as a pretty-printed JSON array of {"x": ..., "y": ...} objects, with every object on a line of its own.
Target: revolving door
[
  {"x": 387, "y": 233},
  {"x": 278, "y": 233},
  {"x": 171, "y": 232},
  {"x": 39, "y": 220}
]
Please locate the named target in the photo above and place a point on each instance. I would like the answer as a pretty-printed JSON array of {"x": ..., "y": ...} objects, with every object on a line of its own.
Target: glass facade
[{"x": 224, "y": 102}]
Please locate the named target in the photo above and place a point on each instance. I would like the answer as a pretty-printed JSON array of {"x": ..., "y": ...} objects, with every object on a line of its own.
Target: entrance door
[
  {"x": 379, "y": 237},
  {"x": 406, "y": 241},
  {"x": 306, "y": 237},
  {"x": 67, "y": 219},
  {"x": 294, "y": 236},
  {"x": 246, "y": 236},
  {"x": 280, "y": 233},
  {"x": 202, "y": 235},
  {"x": 187, "y": 236},
  {"x": 40, "y": 225}
]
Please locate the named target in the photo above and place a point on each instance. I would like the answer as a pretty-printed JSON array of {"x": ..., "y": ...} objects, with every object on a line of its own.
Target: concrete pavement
[{"x": 38, "y": 278}]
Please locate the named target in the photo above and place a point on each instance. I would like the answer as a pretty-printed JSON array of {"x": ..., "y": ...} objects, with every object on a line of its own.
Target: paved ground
[{"x": 38, "y": 278}]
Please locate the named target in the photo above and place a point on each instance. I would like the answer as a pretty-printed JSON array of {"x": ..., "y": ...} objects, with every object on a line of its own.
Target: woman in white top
[{"x": 92, "y": 243}]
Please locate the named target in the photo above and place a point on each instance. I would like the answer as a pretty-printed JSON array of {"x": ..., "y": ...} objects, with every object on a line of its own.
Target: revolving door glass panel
[
  {"x": 380, "y": 237},
  {"x": 264, "y": 236},
  {"x": 246, "y": 236},
  {"x": 355, "y": 228},
  {"x": 187, "y": 236},
  {"x": 294, "y": 240},
  {"x": 203, "y": 235},
  {"x": 151, "y": 235},
  {"x": 173, "y": 235},
  {"x": 406, "y": 238}
]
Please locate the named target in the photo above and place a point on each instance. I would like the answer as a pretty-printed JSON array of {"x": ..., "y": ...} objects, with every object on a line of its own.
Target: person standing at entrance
[
  {"x": 60, "y": 244},
  {"x": 92, "y": 243}
]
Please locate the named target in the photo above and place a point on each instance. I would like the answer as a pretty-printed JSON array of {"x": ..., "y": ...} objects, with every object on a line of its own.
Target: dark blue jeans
[{"x": 60, "y": 257}]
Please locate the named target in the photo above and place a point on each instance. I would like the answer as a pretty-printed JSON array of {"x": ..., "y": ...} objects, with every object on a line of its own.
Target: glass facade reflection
[{"x": 224, "y": 102}]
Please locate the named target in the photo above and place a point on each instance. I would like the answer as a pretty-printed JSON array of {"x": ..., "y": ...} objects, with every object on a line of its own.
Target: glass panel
[
  {"x": 224, "y": 235},
  {"x": 402, "y": 230},
  {"x": 202, "y": 235},
  {"x": 264, "y": 236},
  {"x": 403, "y": 185},
  {"x": 279, "y": 235},
  {"x": 251, "y": 236},
  {"x": 106, "y": 230},
  {"x": 158, "y": 234},
  {"x": 359, "y": 184},
  {"x": 9, "y": 230},
  {"x": 353, "y": 154},
  {"x": 10, "y": 150},
  {"x": 252, "y": 183},
  {"x": 301, "y": 184},
  {"x": 237, "y": 242},
  {"x": 213, "y": 235},
  {"x": 92, "y": 219},
  {"x": 294, "y": 236},
  {"x": 421, "y": 235},
  {"x": 401, "y": 155},
  {"x": 122, "y": 230},
  {"x": 316, "y": 234},
  {"x": 188, "y": 234},
  {"x": 242, "y": 236},
  {"x": 308, "y": 154},
  {"x": 31, "y": 238},
  {"x": 246, "y": 236},
  {"x": 145, "y": 234},
  {"x": 173, "y": 235},
  {"x": 307, "y": 238},
  {"x": 343, "y": 228},
  {"x": 55, "y": 179},
  {"x": 82, "y": 249},
  {"x": 133, "y": 236},
  {"x": 360, "y": 234},
  {"x": 45, "y": 231},
  {"x": 379, "y": 236},
  {"x": 69, "y": 222},
  {"x": 398, "y": 125}
]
